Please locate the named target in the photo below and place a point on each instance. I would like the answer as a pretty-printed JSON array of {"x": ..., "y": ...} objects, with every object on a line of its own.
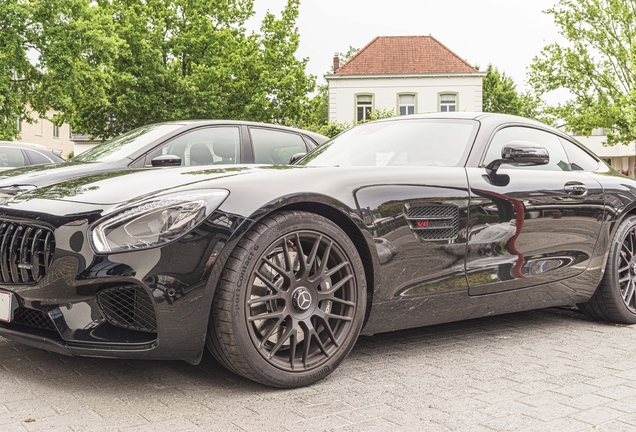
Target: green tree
[
  {"x": 53, "y": 53},
  {"x": 597, "y": 65},
  {"x": 111, "y": 65},
  {"x": 500, "y": 95}
]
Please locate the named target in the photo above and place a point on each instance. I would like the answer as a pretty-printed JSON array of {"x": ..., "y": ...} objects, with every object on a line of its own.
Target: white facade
[
  {"x": 621, "y": 157},
  {"x": 43, "y": 132},
  {"x": 385, "y": 92}
]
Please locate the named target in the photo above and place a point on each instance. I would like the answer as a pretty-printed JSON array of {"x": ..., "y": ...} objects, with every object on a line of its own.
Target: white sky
[{"x": 506, "y": 33}]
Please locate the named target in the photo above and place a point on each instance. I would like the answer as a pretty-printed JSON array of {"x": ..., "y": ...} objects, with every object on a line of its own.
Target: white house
[
  {"x": 408, "y": 74},
  {"x": 620, "y": 157}
]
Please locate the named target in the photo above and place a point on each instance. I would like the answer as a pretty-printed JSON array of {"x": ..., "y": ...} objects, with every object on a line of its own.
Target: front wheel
[
  {"x": 290, "y": 303},
  {"x": 615, "y": 298}
]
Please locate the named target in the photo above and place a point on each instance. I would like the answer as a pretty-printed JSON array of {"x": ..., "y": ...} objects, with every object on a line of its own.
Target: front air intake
[
  {"x": 26, "y": 252},
  {"x": 128, "y": 307}
]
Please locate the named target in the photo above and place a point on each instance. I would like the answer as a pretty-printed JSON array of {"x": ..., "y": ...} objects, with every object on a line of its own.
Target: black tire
[
  {"x": 285, "y": 321},
  {"x": 615, "y": 298}
]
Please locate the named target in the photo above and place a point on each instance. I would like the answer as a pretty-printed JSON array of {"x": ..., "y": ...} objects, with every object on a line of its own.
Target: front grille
[
  {"x": 434, "y": 222},
  {"x": 26, "y": 252},
  {"x": 33, "y": 318},
  {"x": 129, "y": 307}
]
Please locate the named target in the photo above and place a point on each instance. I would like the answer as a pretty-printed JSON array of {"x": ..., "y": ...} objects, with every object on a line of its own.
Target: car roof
[
  {"x": 480, "y": 116},
  {"x": 313, "y": 135},
  {"x": 23, "y": 145}
]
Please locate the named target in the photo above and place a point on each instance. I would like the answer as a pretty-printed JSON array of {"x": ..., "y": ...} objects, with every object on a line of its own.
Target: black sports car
[
  {"x": 394, "y": 224},
  {"x": 184, "y": 143}
]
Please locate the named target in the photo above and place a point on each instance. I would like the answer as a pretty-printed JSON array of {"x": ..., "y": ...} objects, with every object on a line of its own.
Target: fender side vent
[{"x": 438, "y": 222}]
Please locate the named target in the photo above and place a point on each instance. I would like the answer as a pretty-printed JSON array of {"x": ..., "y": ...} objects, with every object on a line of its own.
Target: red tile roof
[{"x": 404, "y": 55}]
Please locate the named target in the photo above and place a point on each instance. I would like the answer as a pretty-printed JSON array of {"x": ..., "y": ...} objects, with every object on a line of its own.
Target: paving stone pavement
[{"x": 545, "y": 370}]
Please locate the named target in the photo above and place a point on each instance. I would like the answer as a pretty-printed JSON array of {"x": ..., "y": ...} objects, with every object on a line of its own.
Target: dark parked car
[
  {"x": 19, "y": 154},
  {"x": 394, "y": 224},
  {"x": 185, "y": 143}
]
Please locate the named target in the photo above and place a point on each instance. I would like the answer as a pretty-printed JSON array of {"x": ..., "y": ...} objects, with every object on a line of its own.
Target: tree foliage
[
  {"x": 500, "y": 95},
  {"x": 111, "y": 65},
  {"x": 597, "y": 65}
]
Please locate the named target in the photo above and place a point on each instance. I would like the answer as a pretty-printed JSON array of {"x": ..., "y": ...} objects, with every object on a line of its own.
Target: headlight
[{"x": 155, "y": 221}]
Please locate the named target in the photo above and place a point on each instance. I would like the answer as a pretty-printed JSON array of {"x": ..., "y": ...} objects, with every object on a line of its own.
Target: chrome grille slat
[
  {"x": 35, "y": 255},
  {"x": 26, "y": 252},
  {"x": 4, "y": 253},
  {"x": 14, "y": 254}
]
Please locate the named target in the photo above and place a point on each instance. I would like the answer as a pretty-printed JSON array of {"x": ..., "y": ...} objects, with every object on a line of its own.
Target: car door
[
  {"x": 275, "y": 147},
  {"x": 536, "y": 224}
]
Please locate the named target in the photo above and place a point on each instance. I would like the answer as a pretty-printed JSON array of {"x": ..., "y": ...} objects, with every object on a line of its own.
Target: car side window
[
  {"x": 274, "y": 147},
  {"x": 558, "y": 158},
  {"x": 11, "y": 157},
  {"x": 579, "y": 158},
  {"x": 207, "y": 146},
  {"x": 37, "y": 157}
]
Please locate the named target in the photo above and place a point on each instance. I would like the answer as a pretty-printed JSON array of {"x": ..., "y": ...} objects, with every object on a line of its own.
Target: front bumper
[{"x": 142, "y": 304}]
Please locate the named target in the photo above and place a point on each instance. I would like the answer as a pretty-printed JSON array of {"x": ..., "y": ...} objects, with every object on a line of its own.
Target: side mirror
[
  {"x": 520, "y": 153},
  {"x": 167, "y": 160},
  {"x": 295, "y": 158}
]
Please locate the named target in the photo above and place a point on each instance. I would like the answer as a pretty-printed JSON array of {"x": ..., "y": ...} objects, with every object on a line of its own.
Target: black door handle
[{"x": 575, "y": 188}]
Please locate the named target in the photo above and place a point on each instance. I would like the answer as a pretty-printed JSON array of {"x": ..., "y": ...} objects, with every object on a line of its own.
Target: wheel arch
[
  {"x": 336, "y": 211},
  {"x": 355, "y": 234}
]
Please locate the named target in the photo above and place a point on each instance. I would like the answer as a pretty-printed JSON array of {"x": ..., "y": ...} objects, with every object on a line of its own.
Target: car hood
[
  {"x": 42, "y": 175},
  {"x": 115, "y": 187}
]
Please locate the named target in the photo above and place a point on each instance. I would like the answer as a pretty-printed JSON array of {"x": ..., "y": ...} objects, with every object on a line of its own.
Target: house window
[
  {"x": 448, "y": 102},
  {"x": 18, "y": 124},
  {"x": 56, "y": 131},
  {"x": 364, "y": 107},
  {"x": 406, "y": 104}
]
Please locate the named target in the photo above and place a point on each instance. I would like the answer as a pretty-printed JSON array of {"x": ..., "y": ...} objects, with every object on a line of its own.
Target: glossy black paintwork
[{"x": 556, "y": 258}]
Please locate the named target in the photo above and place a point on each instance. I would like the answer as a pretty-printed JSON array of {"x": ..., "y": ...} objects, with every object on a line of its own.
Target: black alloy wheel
[
  {"x": 302, "y": 301},
  {"x": 627, "y": 269},
  {"x": 291, "y": 301},
  {"x": 615, "y": 298}
]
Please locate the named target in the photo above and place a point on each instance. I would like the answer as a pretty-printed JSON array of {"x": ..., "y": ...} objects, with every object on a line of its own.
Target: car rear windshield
[
  {"x": 125, "y": 145},
  {"x": 412, "y": 142}
]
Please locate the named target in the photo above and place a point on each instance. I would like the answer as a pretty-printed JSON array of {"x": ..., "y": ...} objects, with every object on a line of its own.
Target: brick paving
[{"x": 537, "y": 371}]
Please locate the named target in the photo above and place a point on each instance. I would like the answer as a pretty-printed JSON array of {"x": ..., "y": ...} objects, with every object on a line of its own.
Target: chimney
[{"x": 336, "y": 62}]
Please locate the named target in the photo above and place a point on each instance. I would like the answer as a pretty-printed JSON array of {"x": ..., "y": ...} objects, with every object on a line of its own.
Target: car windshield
[
  {"x": 124, "y": 145},
  {"x": 412, "y": 142}
]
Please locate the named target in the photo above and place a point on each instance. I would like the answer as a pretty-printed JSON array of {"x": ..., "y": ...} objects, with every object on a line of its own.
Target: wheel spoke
[
  {"x": 311, "y": 259},
  {"x": 302, "y": 270},
  {"x": 281, "y": 341},
  {"x": 281, "y": 271},
  {"x": 272, "y": 315},
  {"x": 624, "y": 279},
  {"x": 325, "y": 258},
  {"x": 275, "y": 326},
  {"x": 266, "y": 281},
  {"x": 335, "y": 270},
  {"x": 628, "y": 292},
  {"x": 287, "y": 255},
  {"x": 327, "y": 327},
  {"x": 336, "y": 287},
  {"x": 263, "y": 299},
  {"x": 293, "y": 341}
]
